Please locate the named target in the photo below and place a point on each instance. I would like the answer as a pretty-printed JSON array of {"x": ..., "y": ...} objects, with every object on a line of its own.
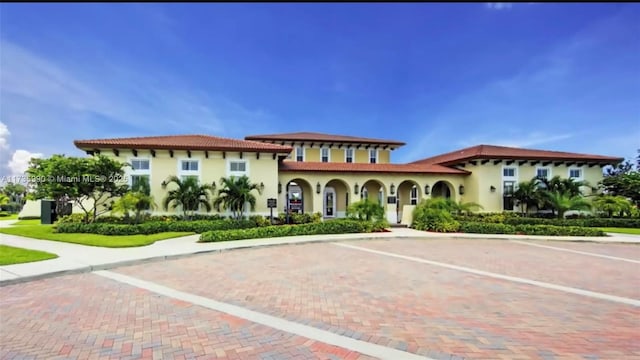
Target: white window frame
[
  {"x": 515, "y": 172},
  {"x": 413, "y": 195},
  {"x": 549, "y": 176},
  {"x": 302, "y": 149},
  {"x": 377, "y": 157},
  {"x": 237, "y": 173},
  {"x": 581, "y": 170},
  {"x": 513, "y": 179},
  {"x": 197, "y": 173},
  {"x": 328, "y": 154},
  {"x": 346, "y": 151},
  {"x": 130, "y": 171}
]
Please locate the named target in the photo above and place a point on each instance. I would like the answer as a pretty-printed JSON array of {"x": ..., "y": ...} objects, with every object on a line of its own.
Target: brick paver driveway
[{"x": 440, "y": 299}]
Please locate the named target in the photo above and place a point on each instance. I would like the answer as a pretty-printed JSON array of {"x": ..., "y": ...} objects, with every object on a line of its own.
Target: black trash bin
[{"x": 47, "y": 211}]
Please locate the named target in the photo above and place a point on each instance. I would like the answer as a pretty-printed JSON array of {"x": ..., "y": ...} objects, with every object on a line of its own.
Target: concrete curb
[{"x": 117, "y": 264}]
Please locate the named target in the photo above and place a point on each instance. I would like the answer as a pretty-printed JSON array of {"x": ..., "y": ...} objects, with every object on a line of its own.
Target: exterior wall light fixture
[
  {"x": 392, "y": 189},
  {"x": 318, "y": 187},
  {"x": 356, "y": 188},
  {"x": 492, "y": 188},
  {"x": 461, "y": 189},
  {"x": 426, "y": 189}
]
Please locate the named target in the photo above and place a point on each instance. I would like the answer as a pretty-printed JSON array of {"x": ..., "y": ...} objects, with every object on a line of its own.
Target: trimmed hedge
[
  {"x": 154, "y": 227},
  {"x": 432, "y": 219},
  {"x": 517, "y": 219},
  {"x": 525, "y": 229},
  {"x": 79, "y": 218},
  {"x": 339, "y": 226}
]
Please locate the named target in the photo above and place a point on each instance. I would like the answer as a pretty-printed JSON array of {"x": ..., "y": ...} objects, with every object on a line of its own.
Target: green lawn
[
  {"x": 45, "y": 232},
  {"x": 27, "y": 222},
  {"x": 634, "y": 231},
  {"x": 8, "y": 217},
  {"x": 13, "y": 255}
]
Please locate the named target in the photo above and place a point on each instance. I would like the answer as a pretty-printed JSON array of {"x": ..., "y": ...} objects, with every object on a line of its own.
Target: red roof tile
[
  {"x": 313, "y": 136},
  {"x": 365, "y": 167},
  {"x": 182, "y": 142},
  {"x": 504, "y": 152}
]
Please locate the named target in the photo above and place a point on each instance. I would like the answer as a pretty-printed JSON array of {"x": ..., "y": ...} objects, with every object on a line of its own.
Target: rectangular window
[
  {"x": 542, "y": 173},
  {"x": 509, "y": 172},
  {"x": 189, "y": 165},
  {"x": 324, "y": 154},
  {"x": 414, "y": 195},
  {"x": 373, "y": 156},
  {"x": 348, "y": 155},
  {"x": 136, "y": 180},
  {"x": 185, "y": 177},
  {"x": 140, "y": 164},
  {"x": 299, "y": 153},
  {"x": 507, "y": 195},
  {"x": 238, "y": 166},
  {"x": 575, "y": 173}
]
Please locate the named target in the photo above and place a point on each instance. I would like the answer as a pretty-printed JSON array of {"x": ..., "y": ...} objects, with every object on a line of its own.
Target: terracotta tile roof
[
  {"x": 365, "y": 167},
  {"x": 313, "y": 136},
  {"x": 504, "y": 152},
  {"x": 182, "y": 142}
]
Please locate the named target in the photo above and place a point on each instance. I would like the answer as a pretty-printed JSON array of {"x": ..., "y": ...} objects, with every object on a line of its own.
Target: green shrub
[
  {"x": 366, "y": 210},
  {"x": 580, "y": 222},
  {"x": 486, "y": 228},
  {"x": 295, "y": 218},
  {"x": 433, "y": 219},
  {"x": 338, "y": 226},
  {"x": 547, "y": 230},
  {"x": 154, "y": 227}
]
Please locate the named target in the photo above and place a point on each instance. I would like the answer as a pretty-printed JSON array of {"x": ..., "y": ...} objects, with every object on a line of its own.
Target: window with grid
[
  {"x": 373, "y": 156},
  {"x": 575, "y": 173},
  {"x": 542, "y": 173},
  {"x": 140, "y": 164},
  {"x": 299, "y": 153},
  {"x": 189, "y": 165},
  {"x": 324, "y": 155},
  {"x": 348, "y": 155}
]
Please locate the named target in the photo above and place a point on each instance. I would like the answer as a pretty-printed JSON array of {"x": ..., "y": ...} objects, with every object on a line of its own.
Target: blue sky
[{"x": 436, "y": 76}]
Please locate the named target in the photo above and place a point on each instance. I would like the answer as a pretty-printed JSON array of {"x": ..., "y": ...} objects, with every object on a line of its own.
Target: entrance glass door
[{"x": 329, "y": 202}]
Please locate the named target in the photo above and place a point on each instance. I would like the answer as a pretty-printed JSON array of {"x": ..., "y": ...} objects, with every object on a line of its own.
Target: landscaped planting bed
[
  {"x": 154, "y": 227},
  {"x": 339, "y": 226},
  {"x": 525, "y": 229}
]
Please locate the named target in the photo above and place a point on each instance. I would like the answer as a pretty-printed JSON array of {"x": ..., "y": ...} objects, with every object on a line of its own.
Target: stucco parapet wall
[{"x": 293, "y": 166}]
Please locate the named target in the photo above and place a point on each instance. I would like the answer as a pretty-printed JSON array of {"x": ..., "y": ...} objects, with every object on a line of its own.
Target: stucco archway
[
  {"x": 443, "y": 189},
  {"x": 299, "y": 196},
  {"x": 374, "y": 190},
  {"x": 335, "y": 198},
  {"x": 408, "y": 193}
]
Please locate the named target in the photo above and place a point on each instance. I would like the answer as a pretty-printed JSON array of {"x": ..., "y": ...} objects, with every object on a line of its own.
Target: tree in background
[
  {"x": 136, "y": 201},
  {"x": 366, "y": 210},
  {"x": 623, "y": 180},
  {"x": 89, "y": 183},
  {"x": 611, "y": 205}
]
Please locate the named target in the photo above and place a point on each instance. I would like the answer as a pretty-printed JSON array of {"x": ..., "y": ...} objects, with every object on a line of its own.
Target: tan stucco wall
[
  {"x": 477, "y": 186},
  {"x": 263, "y": 170}
]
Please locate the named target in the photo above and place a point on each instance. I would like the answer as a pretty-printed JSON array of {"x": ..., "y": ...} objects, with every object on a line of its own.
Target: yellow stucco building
[{"x": 315, "y": 172}]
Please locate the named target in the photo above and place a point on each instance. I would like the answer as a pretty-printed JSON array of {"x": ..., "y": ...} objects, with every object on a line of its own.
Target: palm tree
[
  {"x": 4, "y": 199},
  {"x": 566, "y": 186},
  {"x": 612, "y": 204},
  {"x": 464, "y": 207},
  {"x": 563, "y": 202},
  {"x": 527, "y": 194},
  {"x": 235, "y": 193},
  {"x": 189, "y": 194}
]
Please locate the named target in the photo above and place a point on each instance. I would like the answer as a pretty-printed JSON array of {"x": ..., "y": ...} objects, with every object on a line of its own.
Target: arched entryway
[
  {"x": 299, "y": 196},
  {"x": 408, "y": 193},
  {"x": 335, "y": 199},
  {"x": 374, "y": 191},
  {"x": 442, "y": 189}
]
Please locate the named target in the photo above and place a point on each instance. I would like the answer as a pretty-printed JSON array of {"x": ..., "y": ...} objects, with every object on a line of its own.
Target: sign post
[{"x": 271, "y": 204}]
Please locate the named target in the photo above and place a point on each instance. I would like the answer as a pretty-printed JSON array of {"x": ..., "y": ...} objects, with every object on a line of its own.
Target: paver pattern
[
  {"x": 420, "y": 308},
  {"x": 90, "y": 317},
  {"x": 628, "y": 251},
  {"x": 609, "y": 276},
  {"x": 409, "y": 306}
]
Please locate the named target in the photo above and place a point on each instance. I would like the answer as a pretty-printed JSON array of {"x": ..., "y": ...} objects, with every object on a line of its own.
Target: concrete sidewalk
[{"x": 74, "y": 258}]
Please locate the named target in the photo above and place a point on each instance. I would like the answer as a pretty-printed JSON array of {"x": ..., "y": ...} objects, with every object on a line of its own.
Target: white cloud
[
  {"x": 65, "y": 101},
  {"x": 19, "y": 162},
  {"x": 4, "y": 136},
  {"x": 499, "y": 6},
  {"x": 526, "y": 141}
]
